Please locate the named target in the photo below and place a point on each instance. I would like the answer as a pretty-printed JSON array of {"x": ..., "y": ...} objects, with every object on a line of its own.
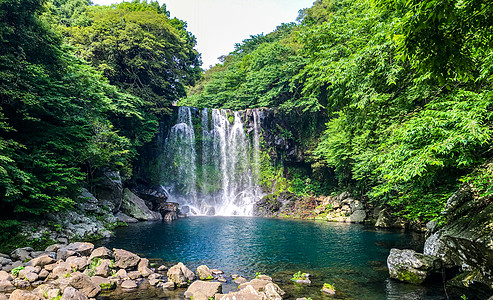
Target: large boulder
[
  {"x": 41, "y": 261},
  {"x": 78, "y": 249},
  {"x": 204, "y": 273},
  {"x": 466, "y": 241},
  {"x": 84, "y": 284},
  {"x": 72, "y": 294},
  {"x": 125, "y": 259},
  {"x": 135, "y": 207},
  {"x": 410, "y": 266},
  {"x": 24, "y": 295},
  {"x": 247, "y": 293},
  {"x": 358, "y": 216},
  {"x": 203, "y": 290},
  {"x": 180, "y": 275}
]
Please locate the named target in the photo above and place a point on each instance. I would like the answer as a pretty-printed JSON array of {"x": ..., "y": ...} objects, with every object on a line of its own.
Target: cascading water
[{"x": 217, "y": 174}]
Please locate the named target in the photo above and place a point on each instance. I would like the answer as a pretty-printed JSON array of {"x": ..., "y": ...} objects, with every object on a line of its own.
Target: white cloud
[{"x": 219, "y": 24}]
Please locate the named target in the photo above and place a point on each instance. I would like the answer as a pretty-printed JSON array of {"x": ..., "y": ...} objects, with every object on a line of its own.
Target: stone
[
  {"x": 41, "y": 261},
  {"x": 88, "y": 202},
  {"x": 77, "y": 263},
  {"x": 135, "y": 207},
  {"x": 53, "y": 248},
  {"x": 409, "y": 266},
  {"x": 110, "y": 190},
  {"x": 203, "y": 290},
  {"x": 24, "y": 295},
  {"x": 257, "y": 284},
  {"x": 129, "y": 284},
  {"x": 162, "y": 268},
  {"x": 221, "y": 278},
  {"x": 180, "y": 275},
  {"x": 72, "y": 294},
  {"x": 328, "y": 289},
  {"x": 358, "y": 216},
  {"x": 248, "y": 293},
  {"x": 5, "y": 276},
  {"x": 125, "y": 259},
  {"x": 21, "y": 283},
  {"x": 240, "y": 280},
  {"x": 124, "y": 218},
  {"x": 22, "y": 254},
  {"x": 43, "y": 290},
  {"x": 43, "y": 274},
  {"x": 203, "y": 273},
  {"x": 78, "y": 248},
  {"x": 6, "y": 286},
  {"x": 84, "y": 284},
  {"x": 264, "y": 277},
  {"x": 5, "y": 261},
  {"x": 60, "y": 270},
  {"x": 216, "y": 271},
  {"x": 103, "y": 283},
  {"x": 384, "y": 219},
  {"x": 143, "y": 267},
  {"x": 101, "y": 252},
  {"x": 28, "y": 274},
  {"x": 103, "y": 269},
  {"x": 155, "y": 276},
  {"x": 53, "y": 293},
  {"x": 134, "y": 275},
  {"x": 122, "y": 273},
  {"x": 168, "y": 286},
  {"x": 273, "y": 292}
]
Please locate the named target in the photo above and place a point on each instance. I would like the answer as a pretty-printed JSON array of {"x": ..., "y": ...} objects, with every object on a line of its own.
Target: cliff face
[{"x": 466, "y": 241}]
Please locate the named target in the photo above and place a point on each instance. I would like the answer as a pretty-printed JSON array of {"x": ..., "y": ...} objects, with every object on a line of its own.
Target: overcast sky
[{"x": 219, "y": 24}]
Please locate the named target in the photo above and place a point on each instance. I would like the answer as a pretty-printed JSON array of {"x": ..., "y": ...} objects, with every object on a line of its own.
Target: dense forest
[
  {"x": 406, "y": 87},
  {"x": 82, "y": 88}
]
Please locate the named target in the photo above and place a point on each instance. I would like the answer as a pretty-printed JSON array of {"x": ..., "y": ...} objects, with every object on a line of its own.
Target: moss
[
  {"x": 107, "y": 286},
  {"x": 410, "y": 277}
]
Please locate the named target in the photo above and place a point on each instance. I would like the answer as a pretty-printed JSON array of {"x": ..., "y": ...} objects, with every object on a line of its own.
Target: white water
[{"x": 221, "y": 177}]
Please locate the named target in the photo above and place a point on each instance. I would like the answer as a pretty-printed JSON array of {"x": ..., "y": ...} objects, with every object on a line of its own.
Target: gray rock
[
  {"x": 110, "y": 190},
  {"x": 357, "y": 216},
  {"x": 203, "y": 290},
  {"x": 72, "y": 294},
  {"x": 24, "y": 295},
  {"x": 129, "y": 285},
  {"x": 53, "y": 248},
  {"x": 101, "y": 252},
  {"x": 384, "y": 219},
  {"x": 409, "y": 266},
  {"x": 203, "y": 273},
  {"x": 5, "y": 261},
  {"x": 21, "y": 254},
  {"x": 247, "y": 293},
  {"x": 41, "y": 261},
  {"x": 180, "y": 275},
  {"x": 88, "y": 202},
  {"x": 125, "y": 259},
  {"x": 6, "y": 286},
  {"x": 124, "y": 218},
  {"x": 135, "y": 207},
  {"x": 78, "y": 248},
  {"x": 84, "y": 284}
]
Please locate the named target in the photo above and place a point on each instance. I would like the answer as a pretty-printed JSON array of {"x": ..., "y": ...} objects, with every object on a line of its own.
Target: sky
[{"x": 219, "y": 24}]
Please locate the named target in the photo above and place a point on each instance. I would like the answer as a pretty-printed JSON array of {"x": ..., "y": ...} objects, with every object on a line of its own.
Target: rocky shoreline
[{"x": 79, "y": 271}]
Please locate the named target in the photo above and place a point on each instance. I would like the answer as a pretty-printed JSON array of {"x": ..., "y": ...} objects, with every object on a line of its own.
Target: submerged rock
[{"x": 410, "y": 266}]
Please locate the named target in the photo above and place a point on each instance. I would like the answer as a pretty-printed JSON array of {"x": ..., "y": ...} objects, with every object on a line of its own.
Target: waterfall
[{"x": 217, "y": 174}]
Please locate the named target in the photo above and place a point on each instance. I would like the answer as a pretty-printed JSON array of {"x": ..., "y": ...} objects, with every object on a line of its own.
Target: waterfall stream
[{"x": 212, "y": 163}]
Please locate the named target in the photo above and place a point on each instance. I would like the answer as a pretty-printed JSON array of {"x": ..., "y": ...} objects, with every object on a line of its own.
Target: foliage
[
  {"x": 15, "y": 271},
  {"x": 138, "y": 48},
  {"x": 298, "y": 276},
  {"x": 406, "y": 86}
]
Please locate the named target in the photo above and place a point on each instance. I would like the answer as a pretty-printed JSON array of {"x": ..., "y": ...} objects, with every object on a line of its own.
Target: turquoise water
[{"x": 351, "y": 257}]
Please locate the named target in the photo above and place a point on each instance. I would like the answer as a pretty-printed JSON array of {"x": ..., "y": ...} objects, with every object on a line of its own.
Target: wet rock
[
  {"x": 216, "y": 271},
  {"x": 125, "y": 218},
  {"x": 125, "y": 259},
  {"x": 328, "y": 289},
  {"x": 103, "y": 283},
  {"x": 135, "y": 207},
  {"x": 240, "y": 280},
  {"x": 203, "y": 290},
  {"x": 129, "y": 285},
  {"x": 203, "y": 273},
  {"x": 72, "y": 294},
  {"x": 168, "y": 286},
  {"x": 409, "y": 266},
  {"x": 273, "y": 292}
]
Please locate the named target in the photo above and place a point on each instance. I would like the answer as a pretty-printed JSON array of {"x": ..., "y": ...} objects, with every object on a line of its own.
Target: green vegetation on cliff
[{"x": 406, "y": 86}]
